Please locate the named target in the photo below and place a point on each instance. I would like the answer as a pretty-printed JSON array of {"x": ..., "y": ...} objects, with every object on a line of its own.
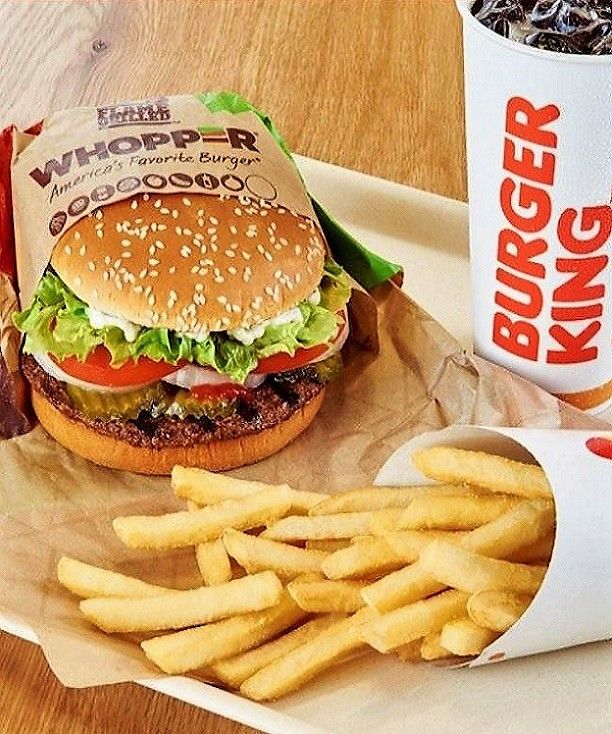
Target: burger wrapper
[
  {"x": 573, "y": 603},
  {"x": 404, "y": 375}
]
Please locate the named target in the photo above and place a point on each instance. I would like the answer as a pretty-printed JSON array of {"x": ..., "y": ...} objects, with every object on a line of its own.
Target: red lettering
[
  {"x": 576, "y": 289},
  {"x": 535, "y": 202},
  {"x": 518, "y": 254},
  {"x": 596, "y": 222},
  {"x": 529, "y": 309},
  {"x": 527, "y": 122},
  {"x": 525, "y": 166},
  {"x": 517, "y": 337},
  {"x": 577, "y": 313},
  {"x": 574, "y": 346}
]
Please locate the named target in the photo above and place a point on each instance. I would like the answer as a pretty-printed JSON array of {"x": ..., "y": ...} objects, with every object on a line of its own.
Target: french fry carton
[{"x": 574, "y": 603}]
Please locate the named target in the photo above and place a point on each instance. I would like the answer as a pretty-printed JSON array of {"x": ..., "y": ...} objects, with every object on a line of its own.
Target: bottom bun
[{"x": 216, "y": 455}]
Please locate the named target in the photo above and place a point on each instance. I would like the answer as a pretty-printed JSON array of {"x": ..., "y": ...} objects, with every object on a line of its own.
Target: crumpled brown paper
[{"x": 56, "y": 503}]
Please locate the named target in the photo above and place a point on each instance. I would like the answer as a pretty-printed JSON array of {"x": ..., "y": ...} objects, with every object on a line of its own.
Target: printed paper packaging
[
  {"x": 574, "y": 603},
  {"x": 540, "y": 174}
]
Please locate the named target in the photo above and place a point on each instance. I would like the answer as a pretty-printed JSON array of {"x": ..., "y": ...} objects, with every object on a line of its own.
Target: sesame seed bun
[{"x": 191, "y": 262}]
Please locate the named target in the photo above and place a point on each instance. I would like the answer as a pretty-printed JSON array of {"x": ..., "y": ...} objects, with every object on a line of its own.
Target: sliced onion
[
  {"x": 193, "y": 376},
  {"x": 49, "y": 366}
]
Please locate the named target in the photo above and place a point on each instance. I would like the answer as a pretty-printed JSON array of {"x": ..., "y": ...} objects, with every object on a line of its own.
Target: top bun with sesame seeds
[{"x": 191, "y": 263}]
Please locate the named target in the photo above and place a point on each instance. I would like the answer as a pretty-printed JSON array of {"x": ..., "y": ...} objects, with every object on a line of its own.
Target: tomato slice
[
  {"x": 283, "y": 362},
  {"x": 97, "y": 369},
  {"x": 225, "y": 391}
]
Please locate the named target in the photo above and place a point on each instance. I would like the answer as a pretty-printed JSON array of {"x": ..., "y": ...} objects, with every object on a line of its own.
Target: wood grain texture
[{"x": 373, "y": 85}]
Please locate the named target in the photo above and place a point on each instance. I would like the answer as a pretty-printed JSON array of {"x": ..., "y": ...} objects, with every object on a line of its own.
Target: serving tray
[{"x": 568, "y": 691}]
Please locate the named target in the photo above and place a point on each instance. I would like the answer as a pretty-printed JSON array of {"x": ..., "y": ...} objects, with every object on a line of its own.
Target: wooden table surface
[{"x": 373, "y": 85}]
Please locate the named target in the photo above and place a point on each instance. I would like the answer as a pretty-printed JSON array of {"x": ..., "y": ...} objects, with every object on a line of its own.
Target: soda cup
[{"x": 539, "y": 144}]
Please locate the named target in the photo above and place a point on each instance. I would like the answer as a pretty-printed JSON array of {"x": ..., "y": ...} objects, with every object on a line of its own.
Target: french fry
[
  {"x": 207, "y": 488},
  {"x": 320, "y": 595},
  {"x": 522, "y": 526},
  {"x": 345, "y": 525},
  {"x": 306, "y": 661},
  {"x": 254, "y": 554},
  {"x": 235, "y": 670},
  {"x": 463, "y": 637},
  {"x": 539, "y": 552},
  {"x": 180, "y": 529},
  {"x": 381, "y": 498},
  {"x": 199, "y": 647},
  {"x": 213, "y": 562},
  {"x": 442, "y": 513},
  {"x": 460, "y": 568},
  {"x": 89, "y": 581},
  {"x": 410, "y": 652},
  {"x": 328, "y": 545},
  {"x": 406, "y": 624},
  {"x": 519, "y": 527},
  {"x": 495, "y": 473},
  {"x": 368, "y": 558},
  {"x": 497, "y": 610},
  {"x": 184, "y": 608},
  {"x": 377, "y": 556},
  {"x": 431, "y": 649}
]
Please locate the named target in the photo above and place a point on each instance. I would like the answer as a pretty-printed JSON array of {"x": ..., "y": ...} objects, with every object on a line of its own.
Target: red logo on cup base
[{"x": 600, "y": 446}]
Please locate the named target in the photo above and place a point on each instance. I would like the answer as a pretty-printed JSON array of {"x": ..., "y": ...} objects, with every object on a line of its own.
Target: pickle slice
[
  {"x": 329, "y": 369},
  {"x": 111, "y": 405},
  {"x": 184, "y": 404}
]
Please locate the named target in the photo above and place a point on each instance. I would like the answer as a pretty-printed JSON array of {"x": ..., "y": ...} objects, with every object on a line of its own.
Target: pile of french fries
[{"x": 294, "y": 582}]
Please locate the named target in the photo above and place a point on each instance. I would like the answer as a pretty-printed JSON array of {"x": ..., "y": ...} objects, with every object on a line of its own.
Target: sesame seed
[
  {"x": 268, "y": 256},
  {"x": 99, "y": 233},
  {"x": 99, "y": 214},
  {"x": 178, "y": 230},
  {"x": 198, "y": 236},
  {"x": 91, "y": 265},
  {"x": 142, "y": 273},
  {"x": 68, "y": 250},
  {"x": 105, "y": 275},
  {"x": 172, "y": 269},
  {"x": 185, "y": 251},
  {"x": 175, "y": 213},
  {"x": 126, "y": 254},
  {"x": 117, "y": 263},
  {"x": 126, "y": 243},
  {"x": 297, "y": 249},
  {"x": 246, "y": 255},
  {"x": 238, "y": 211},
  {"x": 199, "y": 287},
  {"x": 157, "y": 203},
  {"x": 236, "y": 308},
  {"x": 153, "y": 273},
  {"x": 164, "y": 210},
  {"x": 119, "y": 227},
  {"x": 225, "y": 321},
  {"x": 222, "y": 299},
  {"x": 278, "y": 274},
  {"x": 283, "y": 241},
  {"x": 228, "y": 307},
  {"x": 232, "y": 270},
  {"x": 187, "y": 232},
  {"x": 214, "y": 246},
  {"x": 186, "y": 202},
  {"x": 277, "y": 246},
  {"x": 161, "y": 227},
  {"x": 194, "y": 269},
  {"x": 230, "y": 253},
  {"x": 301, "y": 225},
  {"x": 233, "y": 229},
  {"x": 219, "y": 279},
  {"x": 153, "y": 261},
  {"x": 200, "y": 222},
  {"x": 268, "y": 291},
  {"x": 261, "y": 249},
  {"x": 203, "y": 271},
  {"x": 134, "y": 204}
]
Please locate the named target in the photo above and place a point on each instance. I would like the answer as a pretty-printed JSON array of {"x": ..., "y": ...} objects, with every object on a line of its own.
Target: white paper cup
[
  {"x": 539, "y": 143},
  {"x": 574, "y": 603}
]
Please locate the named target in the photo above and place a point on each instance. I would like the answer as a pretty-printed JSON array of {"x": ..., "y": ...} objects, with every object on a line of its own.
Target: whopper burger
[{"x": 192, "y": 329}]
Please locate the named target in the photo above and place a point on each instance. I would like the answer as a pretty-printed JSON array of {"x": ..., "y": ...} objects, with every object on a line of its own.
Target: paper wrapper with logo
[
  {"x": 539, "y": 174},
  {"x": 573, "y": 603},
  {"x": 417, "y": 380}
]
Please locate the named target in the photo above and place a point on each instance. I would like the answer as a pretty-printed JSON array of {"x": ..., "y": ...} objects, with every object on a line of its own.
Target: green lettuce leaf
[{"x": 57, "y": 323}]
